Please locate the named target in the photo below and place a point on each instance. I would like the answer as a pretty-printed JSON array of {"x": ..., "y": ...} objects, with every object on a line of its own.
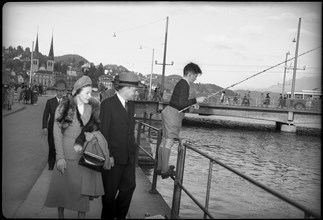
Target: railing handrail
[
  {"x": 307, "y": 211},
  {"x": 262, "y": 186}
]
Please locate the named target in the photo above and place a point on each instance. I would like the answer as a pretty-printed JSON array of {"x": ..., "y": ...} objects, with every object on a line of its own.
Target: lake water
[{"x": 289, "y": 163}]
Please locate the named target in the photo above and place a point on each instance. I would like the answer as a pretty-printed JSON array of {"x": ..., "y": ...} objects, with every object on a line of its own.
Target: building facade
[{"x": 105, "y": 80}]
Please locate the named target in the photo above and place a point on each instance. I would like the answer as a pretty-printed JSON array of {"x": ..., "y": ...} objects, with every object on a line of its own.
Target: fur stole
[{"x": 66, "y": 112}]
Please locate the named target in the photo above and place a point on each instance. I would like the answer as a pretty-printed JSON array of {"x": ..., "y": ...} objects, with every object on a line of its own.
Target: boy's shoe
[
  {"x": 169, "y": 173},
  {"x": 171, "y": 167}
]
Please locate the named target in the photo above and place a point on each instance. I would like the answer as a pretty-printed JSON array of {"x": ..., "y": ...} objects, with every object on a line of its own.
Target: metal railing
[
  {"x": 178, "y": 180},
  {"x": 179, "y": 184},
  {"x": 141, "y": 129}
]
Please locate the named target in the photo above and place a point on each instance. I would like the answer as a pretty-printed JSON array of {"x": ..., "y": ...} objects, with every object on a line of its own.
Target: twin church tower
[{"x": 36, "y": 65}]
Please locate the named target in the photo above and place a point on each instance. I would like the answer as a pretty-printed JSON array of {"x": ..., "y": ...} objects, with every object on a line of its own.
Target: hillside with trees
[{"x": 18, "y": 60}]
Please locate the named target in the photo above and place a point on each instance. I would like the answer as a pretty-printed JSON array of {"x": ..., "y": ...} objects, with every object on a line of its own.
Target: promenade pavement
[
  {"x": 32, "y": 206},
  {"x": 14, "y": 108}
]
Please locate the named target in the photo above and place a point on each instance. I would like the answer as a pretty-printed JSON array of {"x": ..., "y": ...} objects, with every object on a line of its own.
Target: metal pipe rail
[
  {"x": 178, "y": 180},
  {"x": 178, "y": 184},
  {"x": 159, "y": 137}
]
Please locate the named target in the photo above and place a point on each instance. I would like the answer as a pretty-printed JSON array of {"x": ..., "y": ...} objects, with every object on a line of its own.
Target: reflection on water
[{"x": 287, "y": 163}]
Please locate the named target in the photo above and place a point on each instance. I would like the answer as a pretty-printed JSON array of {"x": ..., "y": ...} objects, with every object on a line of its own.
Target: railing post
[
  {"x": 138, "y": 141},
  {"x": 144, "y": 127},
  {"x": 149, "y": 129},
  {"x": 209, "y": 179},
  {"x": 178, "y": 180},
  {"x": 154, "y": 183}
]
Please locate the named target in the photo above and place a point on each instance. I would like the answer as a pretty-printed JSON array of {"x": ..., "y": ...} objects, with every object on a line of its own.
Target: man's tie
[{"x": 126, "y": 106}]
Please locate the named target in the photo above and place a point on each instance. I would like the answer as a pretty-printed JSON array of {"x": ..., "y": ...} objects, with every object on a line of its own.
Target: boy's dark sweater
[{"x": 179, "y": 99}]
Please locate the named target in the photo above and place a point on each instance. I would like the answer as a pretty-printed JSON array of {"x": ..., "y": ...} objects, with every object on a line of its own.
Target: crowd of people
[
  {"x": 25, "y": 94},
  {"x": 262, "y": 101}
]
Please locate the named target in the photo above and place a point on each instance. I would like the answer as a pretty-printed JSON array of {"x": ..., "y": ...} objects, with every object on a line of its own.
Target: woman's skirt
[
  {"x": 72, "y": 189},
  {"x": 171, "y": 122}
]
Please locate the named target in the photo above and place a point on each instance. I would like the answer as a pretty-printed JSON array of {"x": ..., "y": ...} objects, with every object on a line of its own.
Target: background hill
[
  {"x": 311, "y": 82},
  {"x": 71, "y": 58}
]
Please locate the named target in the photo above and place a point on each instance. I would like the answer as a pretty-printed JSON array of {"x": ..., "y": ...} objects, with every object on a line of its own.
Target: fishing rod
[{"x": 251, "y": 77}]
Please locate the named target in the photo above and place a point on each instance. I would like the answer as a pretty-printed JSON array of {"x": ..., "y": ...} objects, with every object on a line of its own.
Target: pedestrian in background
[
  {"x": 35, "y": 94},
  {"x": 48, "y": 121},
  {"x": 40, "y": 90},
  {"x": 23, "y": 94},
  {"x": 19, "y": 93},
  {"x": 262, "y": 99},
  {"x": 4, "y": 94},
  {"x": 309, "y": 102},
  {"x": 118, "y": 123},
  {"x": 222, "y": 97},
  {"x": 28, "y": 95},
  {"x": 73, "y": 186},
  {"x": 280, "y": 101},
  {"x": 10, "y": 97},
  {"x": 267, "y": 100},
  {"x": 284, "y": 100},
  {"x": 172, "y": 119}
]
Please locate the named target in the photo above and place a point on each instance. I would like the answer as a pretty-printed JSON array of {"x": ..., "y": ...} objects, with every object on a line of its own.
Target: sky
[{"x": 230, "y": 41}]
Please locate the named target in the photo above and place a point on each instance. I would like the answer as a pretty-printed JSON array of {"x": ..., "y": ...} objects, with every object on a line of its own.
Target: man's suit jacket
[
  {"x": 49, "y": 114},
  {"x": 117, "y": 126}
]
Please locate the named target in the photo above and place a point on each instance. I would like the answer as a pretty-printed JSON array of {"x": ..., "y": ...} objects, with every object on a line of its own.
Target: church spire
[
  {"x": 50, "y": 60},
  {"x": 51, "y": 51},
  {"x": 36, "y": 47},
  {"x": 35, "y": 61}
]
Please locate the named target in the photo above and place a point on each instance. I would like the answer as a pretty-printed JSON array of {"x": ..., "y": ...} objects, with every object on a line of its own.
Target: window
[{"x": 298, "y": 96}]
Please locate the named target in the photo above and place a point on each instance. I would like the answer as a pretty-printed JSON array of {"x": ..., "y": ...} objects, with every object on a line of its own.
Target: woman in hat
[{"x": 73, "y": 186}]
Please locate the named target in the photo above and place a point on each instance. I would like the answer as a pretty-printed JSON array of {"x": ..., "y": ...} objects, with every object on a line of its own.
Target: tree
[{"x": 100, "y": 70}]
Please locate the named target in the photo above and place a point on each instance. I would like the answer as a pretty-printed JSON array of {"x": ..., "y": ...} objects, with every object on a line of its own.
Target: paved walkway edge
[{"x": 142, "y": 202}]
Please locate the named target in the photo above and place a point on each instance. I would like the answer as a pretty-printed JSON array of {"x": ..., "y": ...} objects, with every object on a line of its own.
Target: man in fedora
[
  {"x": 117, "y": 126},
  {"x": 48, "y": 120}
]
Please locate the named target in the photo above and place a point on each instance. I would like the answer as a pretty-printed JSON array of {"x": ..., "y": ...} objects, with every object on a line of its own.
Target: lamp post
[
  {"x": 164, "y": 60},
  {"x": 31, "y": 63},
  {"x": 151, "y": 74},
  {"x": 283, "y": 91},
  {"x": 295, "y": 63},
  {"x": 152, "y": 70}
]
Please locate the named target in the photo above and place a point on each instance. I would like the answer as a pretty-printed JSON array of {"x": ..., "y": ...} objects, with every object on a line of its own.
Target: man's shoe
[
  {"x": 51, "y": 166},
  {"x": 158, "y": 172}
]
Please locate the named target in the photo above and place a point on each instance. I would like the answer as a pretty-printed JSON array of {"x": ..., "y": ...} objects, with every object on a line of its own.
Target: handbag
[{"x": 91, "y": 157}]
